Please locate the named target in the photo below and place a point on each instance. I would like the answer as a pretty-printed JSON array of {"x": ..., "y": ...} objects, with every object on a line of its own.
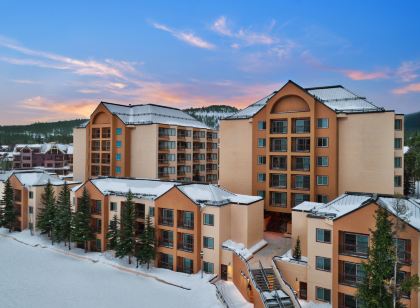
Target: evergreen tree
[
  {"x": 63, "y": 218},
  {"x": 113, "y": 233},
  {"x": 126, "y": 241},
  {"x": 9, "y": 211},
  {"x": 146, "y": 251},
  {"x": 379, "y": 269},
  {"x": 47, "y": 213},
  {"x": 2, "y": 204},
  {"x": 297, "y": 253},
  {"x": 81, "y": 227}
]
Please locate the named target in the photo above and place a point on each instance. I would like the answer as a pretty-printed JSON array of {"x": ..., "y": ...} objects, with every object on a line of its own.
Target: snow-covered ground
[{"x": 35, "y": 274}]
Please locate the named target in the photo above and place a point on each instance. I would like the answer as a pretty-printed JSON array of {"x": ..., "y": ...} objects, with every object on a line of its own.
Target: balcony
[
  {"x": 301, "y": 182},
  {"x": 301, "y": 126},
  {"x": 185, "y": 220},
  {"x": 187, "y": 246},
  {"x": 356, "y": 250},
  {"x": 350, "y": 279},
  {"x": 278, "y": 127},
  {"x": 166, "y": 243},
  {"x": 163, "y": 161},
  {"x": 301, "y": 163},
  {"x": 301, "y": 144}
]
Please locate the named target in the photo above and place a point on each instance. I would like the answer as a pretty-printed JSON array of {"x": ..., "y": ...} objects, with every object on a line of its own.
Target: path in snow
[{"x": 38, "y": 277}]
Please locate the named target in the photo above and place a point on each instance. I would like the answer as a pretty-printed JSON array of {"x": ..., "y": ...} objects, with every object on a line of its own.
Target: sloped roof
[
  {"x": 335, "y": 97},
  {"x": 349, "y": 202},
  {"x": 45, "y": 147},
  {"x": 153, "y": 114},
  {"x": 37, "y": 178}
]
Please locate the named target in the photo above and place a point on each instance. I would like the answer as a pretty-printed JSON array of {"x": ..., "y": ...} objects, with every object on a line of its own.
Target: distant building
[
  {"x": 188, "y": 219},
  {"x": 51, "y": 157},
  {"x": 28, "y": 187},
  {"x": 310, "y": 144},
  {"x": 148, "y": 141},
  {"x": 334, "y": 241}
]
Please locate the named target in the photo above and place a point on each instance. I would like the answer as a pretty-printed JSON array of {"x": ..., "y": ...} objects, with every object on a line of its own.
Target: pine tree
[
  {"x": 379, "y": 269},
  {"x": 9, "y": 212},
  {"x": 2, "y": 204},
  {"x": 81, "y": 227},
  {"x": 297, "y": 253},
  {"x": 113, "y": 233},
  {"x": 63, "y": 218},
  {"x": 146, "y": 251},
  {"x": 47, "y": 213},
  {"x": 126, "y": 243}
]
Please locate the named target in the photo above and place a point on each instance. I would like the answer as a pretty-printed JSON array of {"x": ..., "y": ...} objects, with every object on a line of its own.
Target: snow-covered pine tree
[
  {"x": 64, "y": 216},
  {"x": 81, "y": 229},
  {"x": 297, "y": 252},
  {"x": 2, "y": 204},
  {"x": 9, "y": 212},
  {"x": 146, "y": 251},
  {"x": 126, "y": 241},
  {"x": 47, "y": 213},
  {"x": 113, "y": 233},
  {"x": 373, "y": 291}
]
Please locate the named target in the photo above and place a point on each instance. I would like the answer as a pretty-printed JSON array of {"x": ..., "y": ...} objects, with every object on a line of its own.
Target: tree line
[
  {"x": 57, "y": 220},
  {"x": 412, "y": 165}
]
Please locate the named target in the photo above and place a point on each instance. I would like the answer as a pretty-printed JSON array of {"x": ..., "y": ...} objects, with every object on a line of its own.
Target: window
[
  {"x": 322, "y": 123},
  {"x": 261, "y": 142},
  {"x": 185, "y": 242},
  {"x": 299, "y": 198},
  {"x": 301, "y": 182},
  {"x": 31, "y": 209},
  {"x": 118, "y": 157},
  {"x": 278, "y": 199},
  {"x": 397, "y": 162},
  {"x": 113, "y": 206},
  {"x": 301, "y": 163},
  {"x": 323, "y": 294},
  {"x": 208, "y": 242},
  {"x": 301, "y": 126},
  {"x": 322, "y": 180},
  {"x": 166, "y": 217},
  {"x": 209, "y": 219},
  {"x": 118, "y": 144},
  {"x": 118, "y": 170},
  {"x": 261, "y": 177},
  {"x": 323, "y": 264},
  {"x": 31, "y": 195},
  {"x": 322, "y": 198},
  {"x": 261, "y": 193},
  {"x": 398, "y": 143},
  {"x": 278, "y": 162},
  {"x": 301, "y": 144},
  {"x": 348, "y": 301},
  {"x": 397, "y": 181},
  {"x": 278, "y": 144},
  {"x": 354, "y": 244},
  {"x": 322, "y": 142},
  {"x": 166, "y": 238},
  {"x": 186, "y": 219},
  {"x": 166, "y": 261},
  {"x": 151, "y": 212},
  {"x": 278, "y": 127},
  {"x": 118, "y": 131},
  {"x": 208, "y": 267},
  {"x": 351, "y": 273},
  {"x": 261, "y": 125},
  {"x": 261, "y": 160},
  {"x": 403, "y": 250},
  {"x": 323, "y": 236},
  {"x": 278, "y": 180},
  {"x": 322, "y": 161},
  {"x": 398, "y": 124}
]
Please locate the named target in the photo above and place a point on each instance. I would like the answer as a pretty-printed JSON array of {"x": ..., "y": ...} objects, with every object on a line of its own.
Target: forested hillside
[
  {"x": 412, "y": 122},
  {"x": 211, "y": 115}
]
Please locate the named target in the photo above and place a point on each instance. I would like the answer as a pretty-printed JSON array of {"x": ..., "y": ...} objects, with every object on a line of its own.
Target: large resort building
[
  {"x": 147, "y": 141},
  {"x": 334, "y": 244},
  {"x": 310, "y": 144}
]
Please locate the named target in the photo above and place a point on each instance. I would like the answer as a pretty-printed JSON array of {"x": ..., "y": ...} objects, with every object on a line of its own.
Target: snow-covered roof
[
  {"x": 213, "y": 195},
  {"x": 153, "y": 114},
  {"x": 37, "y": 178},
  {"x": 349, "y": 202},
  {"x": 336, "y": 97},
  {"x": 45, "y": 147},
  {"x": 139, "y": 187}
]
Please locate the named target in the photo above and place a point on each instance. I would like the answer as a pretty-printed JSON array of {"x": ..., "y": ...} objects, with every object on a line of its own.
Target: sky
[{"x": 59, "y": 59}]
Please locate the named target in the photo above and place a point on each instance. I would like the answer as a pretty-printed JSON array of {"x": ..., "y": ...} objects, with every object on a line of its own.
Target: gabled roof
[
  {"x": 334, "y": 97},
  {"x": 37, "y": 178},
  {"x": 44, "y": 148},
  {"x": 152, "y": 114},
  {"x": 349, "y": 202}
]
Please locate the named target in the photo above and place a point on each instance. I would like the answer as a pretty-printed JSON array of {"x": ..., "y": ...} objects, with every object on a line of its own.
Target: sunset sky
[{"x": 58, "y": 59}]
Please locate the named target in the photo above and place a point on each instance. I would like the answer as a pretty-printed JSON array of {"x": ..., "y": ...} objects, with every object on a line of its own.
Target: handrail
[
  {"x": 276, "y": 297},
  {"x": 287, "y": 286}
]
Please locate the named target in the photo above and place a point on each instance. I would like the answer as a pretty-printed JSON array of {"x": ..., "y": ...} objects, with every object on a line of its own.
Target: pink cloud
[
  {"x": 413, "y": 87},
  {"x": 360, "y": 75}
]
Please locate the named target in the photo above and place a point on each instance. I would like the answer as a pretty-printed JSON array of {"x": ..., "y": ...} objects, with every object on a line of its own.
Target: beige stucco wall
[
  {"x": 299, "y": 229},
  {"x": 366, "y": 153},
  {"x": 400, "y": 153},
  {"x": 144, "y": 149},
  {"x": 79, "y": 154},
  {"x": 235, "y": 167}
]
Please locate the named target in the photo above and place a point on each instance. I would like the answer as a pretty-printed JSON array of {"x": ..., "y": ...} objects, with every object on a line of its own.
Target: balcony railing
[
  {"x": 350, "y": 279},
  {"x": 354, "y": 250},
  {"x": 166, "y": 222},
  {"x": 166, "y": 265},
  {"x": 186, "y": 224},
  {"x": 188, "y": 247},
  {"x": 167, "y": 244},
  {"x": 404, "y": 257}
]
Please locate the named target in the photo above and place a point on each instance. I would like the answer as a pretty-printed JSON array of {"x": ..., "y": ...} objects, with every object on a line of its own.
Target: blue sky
[{"x": 59, "y": 59}]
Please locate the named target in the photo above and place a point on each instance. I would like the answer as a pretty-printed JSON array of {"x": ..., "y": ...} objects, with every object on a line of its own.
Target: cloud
[
  {"x": 408, "y": 70},
  {"x": 25, "y": 81},
  {"x": 360, "y": 75},
  {"x": 220, "y": 26},
  {"x": 187, "y": 37},
  {"x": 413, "y": 87}
]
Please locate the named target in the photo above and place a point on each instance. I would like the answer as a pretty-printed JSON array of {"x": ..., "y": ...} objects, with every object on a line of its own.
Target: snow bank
[{"x": 288, "y": 257}]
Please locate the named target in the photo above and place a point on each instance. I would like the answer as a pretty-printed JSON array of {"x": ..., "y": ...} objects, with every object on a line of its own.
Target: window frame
[{"x": 324, "y": 231}]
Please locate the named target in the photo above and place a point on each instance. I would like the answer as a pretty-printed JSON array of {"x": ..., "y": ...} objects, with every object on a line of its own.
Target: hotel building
[
  {"x": 310, "y": 144},
  {"x": 334, "y": 246},
  {"x": 147, "y": 141},
  {"x": 188, "y": 219}
]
